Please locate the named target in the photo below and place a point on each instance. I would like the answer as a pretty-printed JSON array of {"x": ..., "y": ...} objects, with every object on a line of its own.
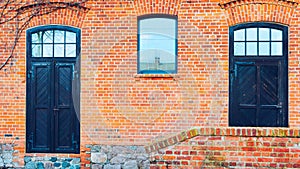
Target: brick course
[{"x": 122, "y": 108}]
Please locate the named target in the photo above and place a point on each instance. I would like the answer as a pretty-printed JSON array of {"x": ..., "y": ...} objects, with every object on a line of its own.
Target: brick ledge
[
  {"x": 223, "y": 131},
  {"x": 156, "y": 76}
]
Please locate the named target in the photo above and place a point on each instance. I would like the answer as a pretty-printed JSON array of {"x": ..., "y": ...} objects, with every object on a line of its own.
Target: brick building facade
[{"x": 182, "y": 110}]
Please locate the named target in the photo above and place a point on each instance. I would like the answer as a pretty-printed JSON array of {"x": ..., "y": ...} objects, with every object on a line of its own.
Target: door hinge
[
  {"x": 30, "y": 141},
  {"x": 29, "y": 74},
  {"x": 74, "y": 142},
  {"x": 75, "y": 74}
]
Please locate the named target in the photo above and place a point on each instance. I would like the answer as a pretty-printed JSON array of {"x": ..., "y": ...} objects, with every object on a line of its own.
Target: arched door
[
  {"x": 258, "y": 75},
  {"x": 52, "y": 119}
]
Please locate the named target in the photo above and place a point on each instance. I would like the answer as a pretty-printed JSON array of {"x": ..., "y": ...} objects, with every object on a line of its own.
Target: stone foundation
[
  {"x": 119, "y": 157},
  {"x": 51, "y": 163},
  {"x": 6, "y": 155}
]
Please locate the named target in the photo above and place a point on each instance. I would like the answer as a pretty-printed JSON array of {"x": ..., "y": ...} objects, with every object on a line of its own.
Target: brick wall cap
[{"x": 223, "y": 131}]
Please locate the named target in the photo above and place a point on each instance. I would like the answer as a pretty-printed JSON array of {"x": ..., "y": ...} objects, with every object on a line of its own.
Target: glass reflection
[
  {"x": 70, "y": 37},
  {"x": 239, "y": 35},
  {"x": 264, "y": 34},
  {"x": 59, "y": 36},
  {"x": 252, "y": 34},
  {"x": 239, "y": 48},
  {"x": 36, "y": 37},
  {"x": 36, "y": 50},
  {"x": 251, "y": 48},
  {"x": 276, "y": 35},
  {"x": 59, "y": 50},
  {"x": 48, "y": 37},
  {"x": 264, "y": 48},
  {"x": 47, "y": 50},
  {"x": 70, "y": 50},
  {"x": 276, "y": 48}
]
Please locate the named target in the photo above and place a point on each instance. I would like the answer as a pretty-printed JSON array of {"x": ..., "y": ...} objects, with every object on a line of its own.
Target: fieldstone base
[
  {"x": 6, "y": 155},
  {"x": 119, "y": 157},
  {"x": 51, "y": 163}
]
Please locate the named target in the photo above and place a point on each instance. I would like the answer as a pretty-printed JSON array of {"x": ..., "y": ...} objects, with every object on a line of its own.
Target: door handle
[
  {"x": 55, "y": 110},
  {"x": 278, "y": 106}
]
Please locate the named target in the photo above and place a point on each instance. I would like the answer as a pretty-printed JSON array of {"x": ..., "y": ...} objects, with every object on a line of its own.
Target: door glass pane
[
  {"x": 264, "y": 34},
  {"x": 59, "y": 36},
  {"x": 251, "y": 48},
  {"x": 36, "y": 37},
  {"x": 70, "y": 50},
  {"x": 59, "y": 50},
  {"x": 239, "y": 35},
  {"x": 276, "y": 35},
  {"x": 239, "y": 48},
  {"x": 48, "y": 37},
  {"x": 47, "y": 50},
  {"x": 70, "y": 37},
  {"x": 264, "y": 48},
  {"x": 276, "y": 48},
  {"x": 252, "y": 34},
  {"x": 36, "y": 50}
]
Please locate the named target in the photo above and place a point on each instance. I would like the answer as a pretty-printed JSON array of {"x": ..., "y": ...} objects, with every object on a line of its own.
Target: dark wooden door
[
  {"x": 53, "y": 124},
  {"x": 258, "y": 95},
  {"x": 258, "y": 57}
]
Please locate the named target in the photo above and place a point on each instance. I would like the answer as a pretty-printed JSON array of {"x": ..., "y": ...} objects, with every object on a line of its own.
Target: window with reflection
[
  {"x": 157, "y": 44},
  {"x": 53, "y": 43},
  {"x": 258, "y": 69}
]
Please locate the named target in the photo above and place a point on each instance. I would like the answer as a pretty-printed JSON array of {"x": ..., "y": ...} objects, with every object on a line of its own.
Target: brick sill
[
  {"x": 224, "y": 131},
  {"x": 174, "y": 76}
]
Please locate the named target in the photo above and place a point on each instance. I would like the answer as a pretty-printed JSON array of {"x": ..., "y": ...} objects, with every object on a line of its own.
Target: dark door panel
[
  {"x": 246, "y": 83},
  {"x": 65, "y": 118},
  {"x": 39, "y": 116},
  {"x": 269, "y": 84}
]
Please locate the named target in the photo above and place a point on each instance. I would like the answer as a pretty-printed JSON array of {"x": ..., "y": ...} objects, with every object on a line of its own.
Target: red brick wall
[
  {"x": 120, "y": 107},
  {"x": 230, "y": 148}
]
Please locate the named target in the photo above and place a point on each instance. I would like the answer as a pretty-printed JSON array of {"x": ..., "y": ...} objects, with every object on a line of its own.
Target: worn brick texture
[{"x": 122, "y": 108}]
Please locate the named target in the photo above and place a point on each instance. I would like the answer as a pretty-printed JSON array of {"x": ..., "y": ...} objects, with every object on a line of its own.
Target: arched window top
[
  {"x": 53, "y": 41},
  {"x": 258, "y": 39},
  {"x": 149, "y": 16}
]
